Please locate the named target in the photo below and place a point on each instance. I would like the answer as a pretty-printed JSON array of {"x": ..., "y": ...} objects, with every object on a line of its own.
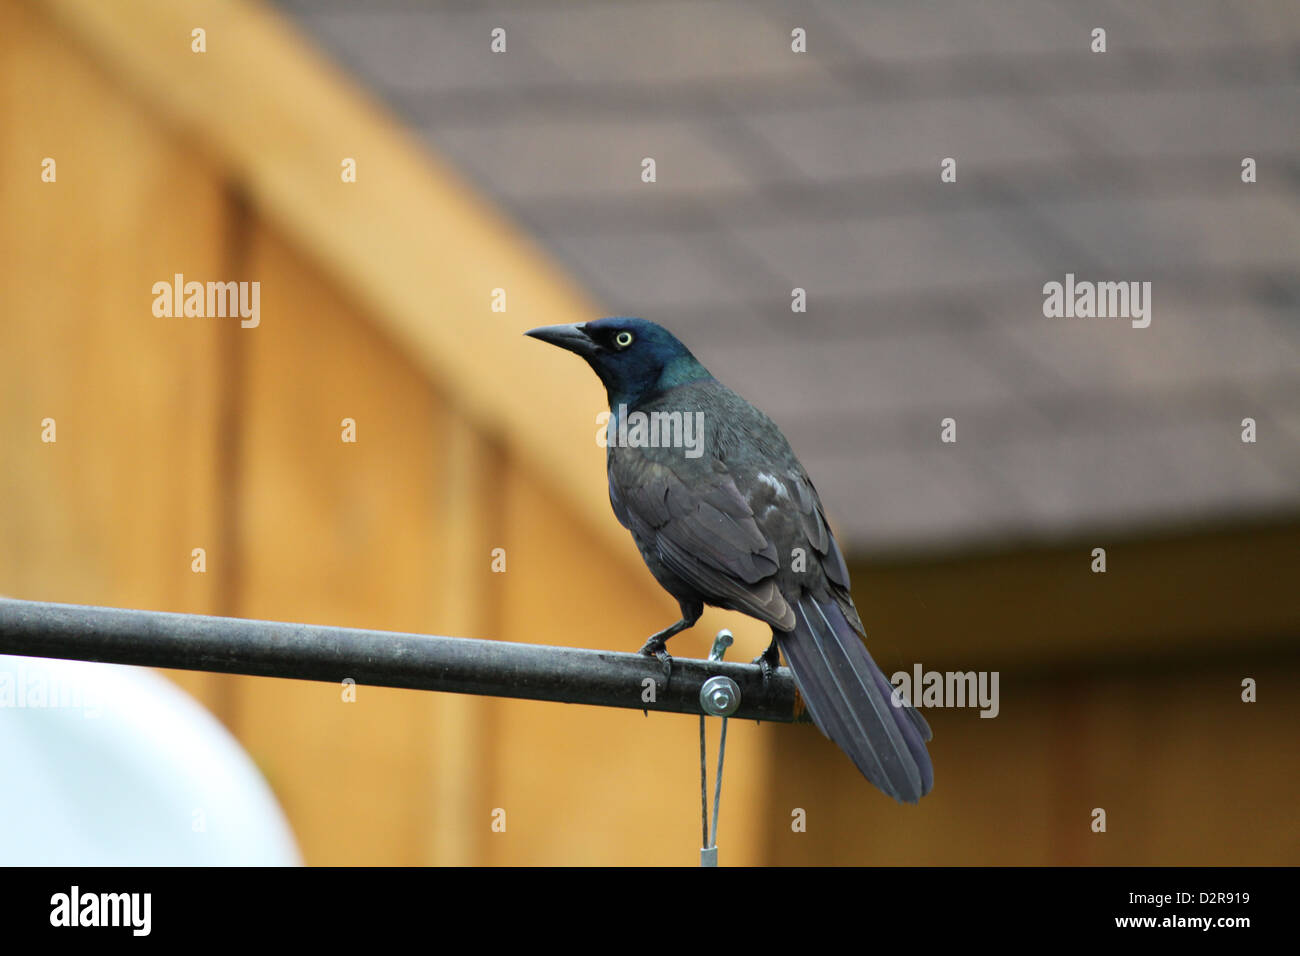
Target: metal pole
[{"x": 381, "y": 658}]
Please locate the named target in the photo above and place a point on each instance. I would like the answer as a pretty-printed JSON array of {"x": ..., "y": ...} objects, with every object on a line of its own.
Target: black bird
[{"x": 725, "y": 515}]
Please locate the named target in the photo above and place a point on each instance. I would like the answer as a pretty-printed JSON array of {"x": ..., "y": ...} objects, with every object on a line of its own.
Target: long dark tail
[{"x": 850, "y": 699}]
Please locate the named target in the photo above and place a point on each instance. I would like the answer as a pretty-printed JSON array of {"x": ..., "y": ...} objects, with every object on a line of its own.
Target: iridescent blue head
[{"x": 634, "y": 358}]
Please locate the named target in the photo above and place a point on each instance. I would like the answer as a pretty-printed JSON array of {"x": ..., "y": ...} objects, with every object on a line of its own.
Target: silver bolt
[{"x": 720, "y": 696}]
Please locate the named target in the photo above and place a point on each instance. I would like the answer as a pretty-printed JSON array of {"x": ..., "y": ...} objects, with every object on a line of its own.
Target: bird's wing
[
  {"x": 704, "y": 530},
  {"x": 813, "y": 520}
]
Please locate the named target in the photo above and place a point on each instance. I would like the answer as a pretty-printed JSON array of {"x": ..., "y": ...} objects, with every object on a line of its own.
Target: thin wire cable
[
  {"x": 704, "y": 791},
  {"x": 717, "y": 793}
]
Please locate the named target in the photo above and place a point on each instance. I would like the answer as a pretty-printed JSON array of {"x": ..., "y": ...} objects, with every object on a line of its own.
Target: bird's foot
[
  {"x": 657, "y": 647},
  {"x": 767, "y": 663}
]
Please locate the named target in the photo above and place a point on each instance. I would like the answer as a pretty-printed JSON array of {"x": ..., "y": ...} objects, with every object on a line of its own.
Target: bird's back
[{"x": 742, "y": 448}]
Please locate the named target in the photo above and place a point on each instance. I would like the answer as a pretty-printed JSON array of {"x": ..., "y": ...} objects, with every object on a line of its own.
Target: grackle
[{"x": 724, "y": 514}]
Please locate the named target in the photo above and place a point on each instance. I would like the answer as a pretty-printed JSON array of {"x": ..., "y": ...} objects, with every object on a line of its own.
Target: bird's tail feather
[{"x": 851, "y": 700}]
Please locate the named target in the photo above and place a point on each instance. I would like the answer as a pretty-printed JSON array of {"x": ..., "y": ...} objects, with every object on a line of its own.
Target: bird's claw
[
  {"x": 656, "y": 647},
  {"x": 767, "y": 663}
]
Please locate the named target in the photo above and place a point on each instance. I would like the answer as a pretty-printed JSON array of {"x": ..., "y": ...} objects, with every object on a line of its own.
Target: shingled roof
[{"x": 821, "y": 170}]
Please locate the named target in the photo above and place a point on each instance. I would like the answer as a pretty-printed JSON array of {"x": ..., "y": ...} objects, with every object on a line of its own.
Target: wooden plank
[
  {"x": 110, "y": 512},
  {"x": 338, "y": 532},
  {"x": 463, "y": 728},
  {"x": 416, "y": 250}
]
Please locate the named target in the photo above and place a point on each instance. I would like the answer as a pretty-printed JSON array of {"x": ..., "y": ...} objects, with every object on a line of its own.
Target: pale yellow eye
[{"x": 623, "y": 339}]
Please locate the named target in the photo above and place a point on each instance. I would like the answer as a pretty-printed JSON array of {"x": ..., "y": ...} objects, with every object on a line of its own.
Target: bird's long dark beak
[{"x": 573, "y": 338}]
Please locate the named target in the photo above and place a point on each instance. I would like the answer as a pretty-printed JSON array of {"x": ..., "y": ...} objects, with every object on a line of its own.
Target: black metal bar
[{"x": 458, "y": 665}]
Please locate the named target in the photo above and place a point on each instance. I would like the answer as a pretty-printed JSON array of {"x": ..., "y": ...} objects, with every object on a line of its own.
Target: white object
[{"x": 106, "y": 765}]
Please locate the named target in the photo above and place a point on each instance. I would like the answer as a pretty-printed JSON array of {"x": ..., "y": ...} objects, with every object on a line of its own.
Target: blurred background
[{"x": 497, "y": 190}]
